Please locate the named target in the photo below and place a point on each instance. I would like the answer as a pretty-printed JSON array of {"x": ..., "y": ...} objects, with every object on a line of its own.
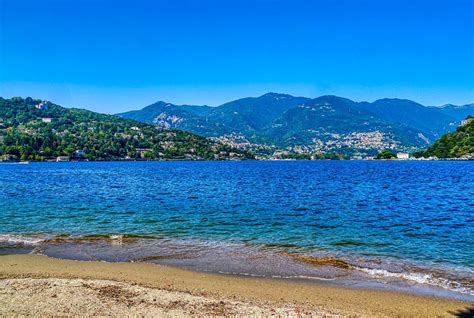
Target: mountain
[
  {"x": 149, "y": 113},
  {"x": 245, "y": 116},
  {"x": 323, "y": 124},
  {"x": 254, "y": 113},
  {"x": 455, "y": 144},
  {"x": 342, "y": 123},
  {"x": 456, "y": 111},
  {"x": 32, "y": 129},
  {"x": 431, "y": 121}
]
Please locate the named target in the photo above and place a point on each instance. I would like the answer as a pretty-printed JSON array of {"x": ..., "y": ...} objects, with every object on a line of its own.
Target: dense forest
[
  {"x": 32, "y": 129},
  {"x": 455, "y": 144}
]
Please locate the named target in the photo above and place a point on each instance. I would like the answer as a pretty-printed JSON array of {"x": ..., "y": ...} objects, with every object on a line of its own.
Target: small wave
[
  {"x": 13, "y": 239},
  {"x": 417, "y": 276},
  {"x": 111, "y": 238},
  {"x": 420, "y": 278}
]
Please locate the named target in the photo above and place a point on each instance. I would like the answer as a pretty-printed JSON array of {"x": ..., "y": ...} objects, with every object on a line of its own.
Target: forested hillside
[
  {"x": 455, "y": 144},
  {"x": 32, "y": 129}
]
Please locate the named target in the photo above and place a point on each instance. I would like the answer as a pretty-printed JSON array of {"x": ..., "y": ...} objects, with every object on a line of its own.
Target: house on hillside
[
  {"x": 466, "y": 121},
  {"x": 43, "y": 105}
]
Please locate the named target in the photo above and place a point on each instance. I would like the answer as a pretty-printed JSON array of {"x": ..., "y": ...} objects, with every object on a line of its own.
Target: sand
[
  {"x": 38, "y": 285},
  {"x": 57, "y": 296}
]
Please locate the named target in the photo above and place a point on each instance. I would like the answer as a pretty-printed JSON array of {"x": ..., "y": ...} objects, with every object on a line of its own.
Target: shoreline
[
  {"x": 257, "y": 261},
  {"x": 204, "y": 160},
  {"x": 316, "y": 297}
]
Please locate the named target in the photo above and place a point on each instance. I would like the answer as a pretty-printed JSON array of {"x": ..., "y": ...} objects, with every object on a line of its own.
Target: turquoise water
[{"x": 406, "y": 222}]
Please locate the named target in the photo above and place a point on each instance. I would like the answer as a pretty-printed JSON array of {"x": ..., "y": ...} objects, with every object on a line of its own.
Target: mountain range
[{"x": 323, "y": 124}]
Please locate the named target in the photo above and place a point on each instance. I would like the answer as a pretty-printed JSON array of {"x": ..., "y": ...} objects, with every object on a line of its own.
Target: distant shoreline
[{"x": 181, "y": 160}]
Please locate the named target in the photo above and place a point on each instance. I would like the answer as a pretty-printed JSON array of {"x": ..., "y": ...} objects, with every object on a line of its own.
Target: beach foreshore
[{"x": 39, "y": 285}]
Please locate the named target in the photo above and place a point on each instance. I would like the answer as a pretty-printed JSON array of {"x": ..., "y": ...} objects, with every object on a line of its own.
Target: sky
[{"x": 112, "y": 56}]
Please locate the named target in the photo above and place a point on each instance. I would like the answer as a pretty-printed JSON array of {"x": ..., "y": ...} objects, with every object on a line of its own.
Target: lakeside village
[{"x": 79, "y": 155}]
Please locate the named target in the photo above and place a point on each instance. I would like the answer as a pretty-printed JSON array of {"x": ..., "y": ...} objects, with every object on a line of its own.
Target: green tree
[{"x": 386, "y": 154}]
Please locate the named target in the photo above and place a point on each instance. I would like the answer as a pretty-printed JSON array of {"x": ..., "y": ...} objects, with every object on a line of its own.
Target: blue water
[{"x": 374, "y": 214}]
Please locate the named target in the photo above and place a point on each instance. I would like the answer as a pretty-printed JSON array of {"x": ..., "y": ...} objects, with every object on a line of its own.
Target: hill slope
[
  {"x": 339, "y": 122},
  {"x": 455, "y": 144},
  {"x": 34, "y": 130},
  {"x": 432, "y": 121}
]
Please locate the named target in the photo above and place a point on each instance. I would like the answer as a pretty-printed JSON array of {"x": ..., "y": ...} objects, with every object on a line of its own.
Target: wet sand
[{"x": 38, "y": 285}]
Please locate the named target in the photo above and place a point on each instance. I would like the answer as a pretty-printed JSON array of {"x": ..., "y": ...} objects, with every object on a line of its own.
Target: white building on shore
[{"x": 403, "y": 155}]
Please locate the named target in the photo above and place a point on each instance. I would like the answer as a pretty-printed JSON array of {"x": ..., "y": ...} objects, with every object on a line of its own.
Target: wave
[
  {"x": 14, "y": 239},
  {"x": 419, "y": 276},
  {"x": 32, "y": 240},
  {"x": 112, "y": 238},
  {"x": 422, "y": 278}
]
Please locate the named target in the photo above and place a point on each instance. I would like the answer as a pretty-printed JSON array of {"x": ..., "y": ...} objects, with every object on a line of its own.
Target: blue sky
[{"x": 112, "y": 56}]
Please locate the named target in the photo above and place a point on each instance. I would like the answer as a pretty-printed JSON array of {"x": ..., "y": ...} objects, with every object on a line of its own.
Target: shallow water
[{"x": 398, "y": 224}]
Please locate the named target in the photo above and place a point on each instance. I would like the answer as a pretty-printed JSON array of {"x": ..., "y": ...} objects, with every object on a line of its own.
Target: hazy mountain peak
[
  {"x": 456, "y": 106},
  {"x": 396, "y": 101},
  {"x": 331, "y": 99},
  {"x": 276, "y": 95},
  {"x": 448, "y": 105},
  {"x": 159, "y": 104}
]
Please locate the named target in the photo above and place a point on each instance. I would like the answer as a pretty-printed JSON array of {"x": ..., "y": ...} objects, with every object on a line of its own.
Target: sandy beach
[{"x": 38, "y": 285}]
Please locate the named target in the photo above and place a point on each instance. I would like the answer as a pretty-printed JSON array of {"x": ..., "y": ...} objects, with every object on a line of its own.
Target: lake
[{"x": 405, "y": 225}]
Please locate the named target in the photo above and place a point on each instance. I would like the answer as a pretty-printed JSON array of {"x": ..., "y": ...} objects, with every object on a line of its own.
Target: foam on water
[
  {"x": 420, "y": 278},
  {"x": 15, "y": 239}
]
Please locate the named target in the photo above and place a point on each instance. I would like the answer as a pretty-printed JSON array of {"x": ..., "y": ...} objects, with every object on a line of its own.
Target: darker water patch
[
  {"x": 321, "y": 226},
  {"x": 301, "y": 209},
  {"x": 349, "y": 243}
]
